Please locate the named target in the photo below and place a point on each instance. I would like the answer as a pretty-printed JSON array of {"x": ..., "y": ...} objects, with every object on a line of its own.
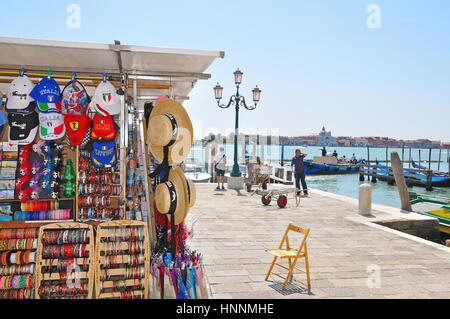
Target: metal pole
[
  {"x": 235, "y": 172},
  {"x": 123, "y": 118},
  {"x": 150, "y": 218}
]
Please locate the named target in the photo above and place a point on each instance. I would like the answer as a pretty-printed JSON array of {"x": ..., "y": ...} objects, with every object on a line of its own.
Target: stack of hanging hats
[
  {"x": 104, "y": 154},
  {"x": 175, "y": 196},
  {"x": 170, "y": 128},
  {"x": 170, "y": 136},
  {"x": 106, "y": 99},
  {"x": 74, "y": 105},
  {"x": 47, "y": 95},
  {"x": 78, "y": 129},
  {"x": 104, "y": 130},
  {"x": 21, "y": 105},
  {"x": 22, "y": 128},
  {"x": 19, "y": 99},
  {"x": 51, "y": 126},
  {"x": 74, "y": 98},
  {"x": 48, "y": 100}
]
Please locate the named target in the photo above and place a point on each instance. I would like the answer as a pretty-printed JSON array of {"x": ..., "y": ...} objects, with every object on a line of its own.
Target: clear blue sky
[{"x": 316, "y": 62}]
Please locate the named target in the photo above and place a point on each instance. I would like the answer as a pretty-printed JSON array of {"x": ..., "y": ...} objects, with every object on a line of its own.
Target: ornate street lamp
[{"x": 236, "y": 100}]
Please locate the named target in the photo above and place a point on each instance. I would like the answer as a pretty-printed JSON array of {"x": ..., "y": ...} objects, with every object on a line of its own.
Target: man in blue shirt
[{"x": 299, "y": 171}]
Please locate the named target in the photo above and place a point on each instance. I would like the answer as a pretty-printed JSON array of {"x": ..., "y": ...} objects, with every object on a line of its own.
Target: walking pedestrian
[{"x": 220, "y": 162}]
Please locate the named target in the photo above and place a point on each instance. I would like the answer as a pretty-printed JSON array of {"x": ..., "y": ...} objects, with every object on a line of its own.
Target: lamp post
[{"x": 236, "y": 100}]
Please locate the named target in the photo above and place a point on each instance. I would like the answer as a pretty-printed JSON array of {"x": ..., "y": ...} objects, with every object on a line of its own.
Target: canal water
[{"x": 347, "y": 185}]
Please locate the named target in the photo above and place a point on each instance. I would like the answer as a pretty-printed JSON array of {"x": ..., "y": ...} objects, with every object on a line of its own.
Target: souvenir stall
[{"x": 92, "y": 198}]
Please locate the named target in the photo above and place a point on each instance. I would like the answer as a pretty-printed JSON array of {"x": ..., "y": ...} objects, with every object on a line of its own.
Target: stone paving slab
[{"x": 234, "y": 229}]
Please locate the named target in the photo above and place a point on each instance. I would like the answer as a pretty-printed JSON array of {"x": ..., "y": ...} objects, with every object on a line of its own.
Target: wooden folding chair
[{"x": 291, "y": 254}]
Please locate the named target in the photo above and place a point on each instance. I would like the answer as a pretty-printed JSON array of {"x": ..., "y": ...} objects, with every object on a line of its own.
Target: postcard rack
[
  {"x": 18, "y": 254},
  {"x": 65, "y": 256},
  {"x": 122, "y": 260}
]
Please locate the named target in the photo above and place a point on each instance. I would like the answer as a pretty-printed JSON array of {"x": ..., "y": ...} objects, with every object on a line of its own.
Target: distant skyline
[
  {"x": 315, "y": 133},
  {"x": 318, "y": 63}
]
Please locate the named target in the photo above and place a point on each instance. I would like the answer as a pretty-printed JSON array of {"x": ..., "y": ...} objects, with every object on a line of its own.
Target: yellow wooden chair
[{"x": 291, "y": 254}]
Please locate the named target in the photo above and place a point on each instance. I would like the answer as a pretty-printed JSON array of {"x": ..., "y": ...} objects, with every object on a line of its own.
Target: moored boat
[
  {"x": 418, "y": 178},
  {"x": 325, "y": 165},
  {"x": 197, "y": 173},
  {"x": 432, "y": 207}
]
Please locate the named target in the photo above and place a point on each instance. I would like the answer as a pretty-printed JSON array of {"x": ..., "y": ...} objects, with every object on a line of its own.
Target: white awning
[{"x": 154, "y": 68}]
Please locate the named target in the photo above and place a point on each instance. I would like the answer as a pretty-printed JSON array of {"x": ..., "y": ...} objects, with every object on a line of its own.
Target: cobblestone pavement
[{"x": 346, "y": 255}]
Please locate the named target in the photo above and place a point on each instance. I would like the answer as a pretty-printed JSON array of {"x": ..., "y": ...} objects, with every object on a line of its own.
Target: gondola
[
  {"x": 417, "y": 179},
  {"x": 312, "y": 168}
]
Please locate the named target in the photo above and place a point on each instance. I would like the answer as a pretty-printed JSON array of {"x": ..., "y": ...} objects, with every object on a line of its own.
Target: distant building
[
  {"x": 345, "y": 141},
  {"x": 435, "y": 144},
  {"x": 360, "y": 141},
  {"x": 325, "y": 138},
  {"x": 445, "y": 146}
]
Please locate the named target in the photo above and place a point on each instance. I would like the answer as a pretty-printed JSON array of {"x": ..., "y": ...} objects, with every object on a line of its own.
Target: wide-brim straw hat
[
  {"x": 171, "y": 197},
  {"x": 189, "y": 190},
  {"x": 169, "y": 123}
]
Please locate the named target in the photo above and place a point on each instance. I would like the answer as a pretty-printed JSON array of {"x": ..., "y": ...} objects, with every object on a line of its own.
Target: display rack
[
  {"x": 122, "y": 260},
  {"x": 64, "y": 261},
  {"x": 99, "y": 197},
  {"x": 18, "y": 255}
]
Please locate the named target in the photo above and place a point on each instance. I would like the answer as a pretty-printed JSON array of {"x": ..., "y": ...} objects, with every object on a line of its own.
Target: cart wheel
[
  {"x": 264, "y": 185},
  {"x": 282, "y": 201},
  {"x": 266, "y": 200},
  {"x": 249, "y": 187}
]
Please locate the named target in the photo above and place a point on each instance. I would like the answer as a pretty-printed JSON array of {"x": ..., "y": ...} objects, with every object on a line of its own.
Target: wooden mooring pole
[
  {"x": 429, "y": 159},
  {"x": 409, "y": 166},
  {"x": 373, "y": 173},
  {"x": 387, "y": 156},
  {"x": 439, "y": 161},
  {"x": 397, "y": 169},
  {"x": 419, "y": 157},
  {"x": 403, "y": 153},
  {"x": 428, "y": 186}
]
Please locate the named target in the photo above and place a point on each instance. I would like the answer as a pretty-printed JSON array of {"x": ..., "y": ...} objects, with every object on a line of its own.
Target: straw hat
[
  {"x": 191, "y": 193},
  {"x": 189, "y": 190},
  {"x": 171, "y": 196},
  {"x": 170, "y": 125}
]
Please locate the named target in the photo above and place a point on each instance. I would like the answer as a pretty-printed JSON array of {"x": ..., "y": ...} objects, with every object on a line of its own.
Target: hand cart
[
  {"x": 279, "y": 194},
  {"x": 257, "y": 175}
]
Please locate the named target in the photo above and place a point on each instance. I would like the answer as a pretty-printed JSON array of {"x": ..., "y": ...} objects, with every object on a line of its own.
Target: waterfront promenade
[{"x": 234, "y": 229}]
